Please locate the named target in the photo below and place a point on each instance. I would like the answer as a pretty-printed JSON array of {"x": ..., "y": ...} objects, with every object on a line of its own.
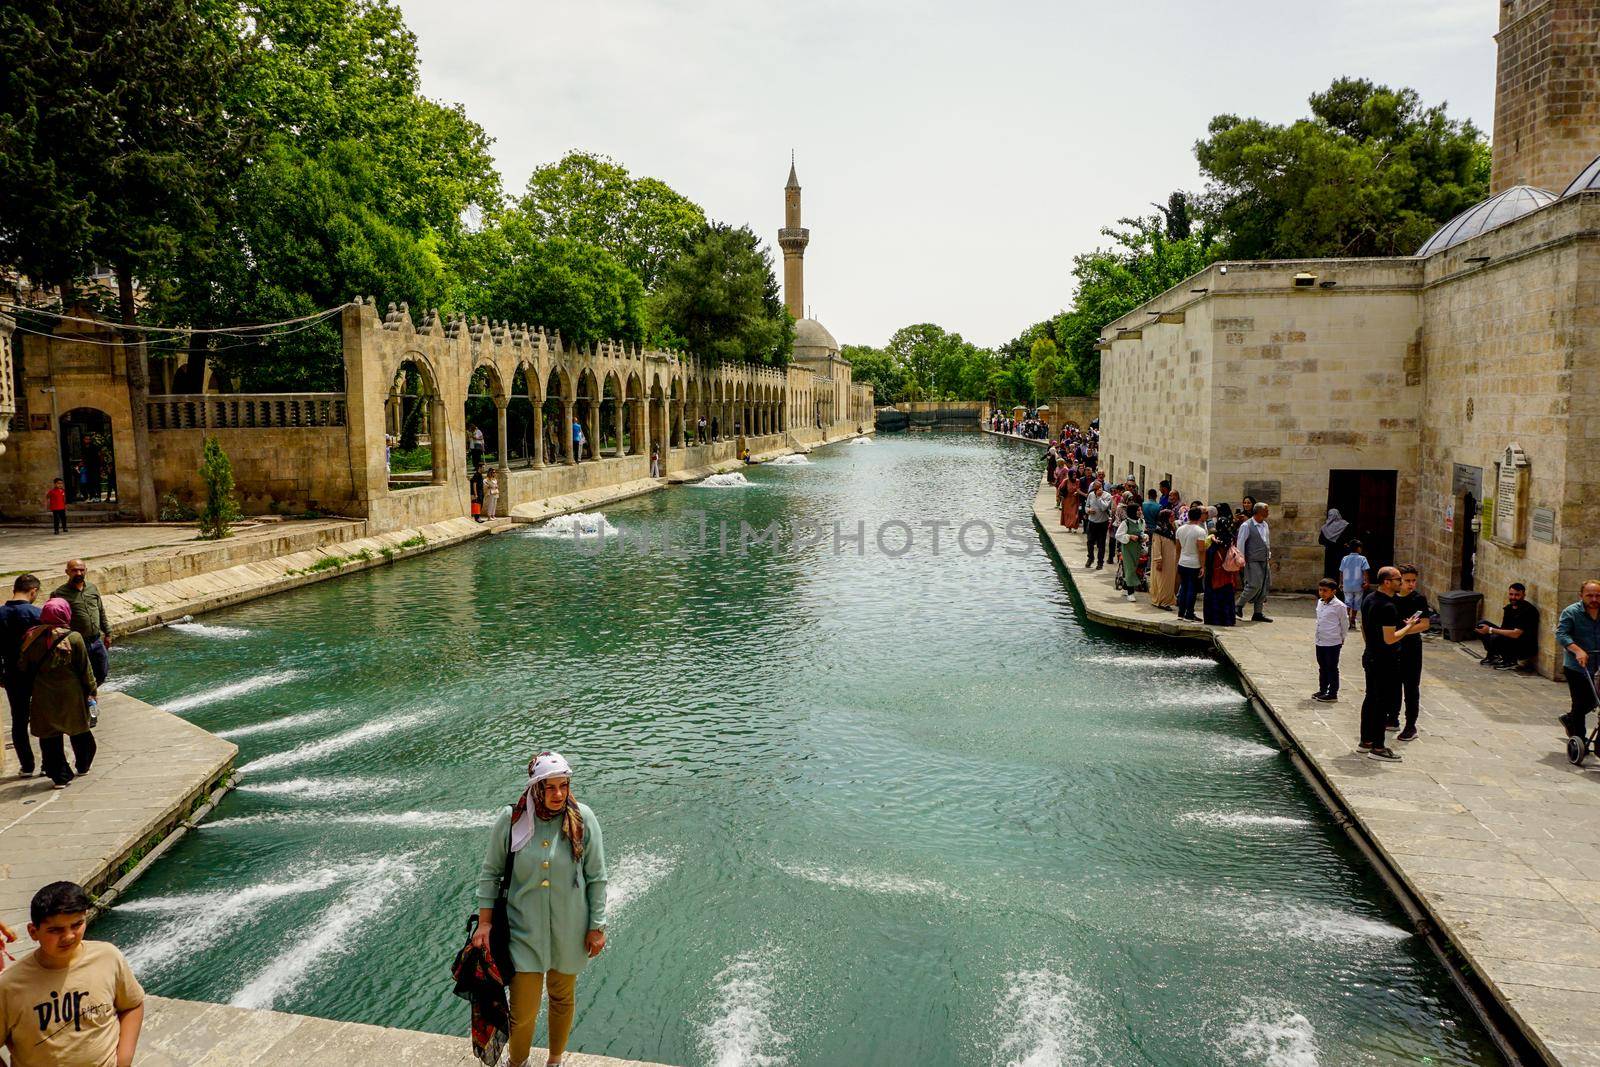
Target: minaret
[{"x": 793, "y": 239}]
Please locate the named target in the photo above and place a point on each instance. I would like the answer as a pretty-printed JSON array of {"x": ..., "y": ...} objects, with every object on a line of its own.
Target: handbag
[
  {"x": 500, "y": 932},
  {"x": 1234, "y": 560}
]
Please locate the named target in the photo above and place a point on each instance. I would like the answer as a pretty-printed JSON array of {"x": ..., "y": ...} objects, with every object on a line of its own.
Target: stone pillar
[
  {"x": 439, "y": 440},
  {"x": 8, "y": 398},
  {"x": 565, "y": 436},
  {"x": 500, "y": 405},
  {"x": 538, "y": 434},
  {"x": 592, "y": 429},
  {"x": 617, "y": 416}
]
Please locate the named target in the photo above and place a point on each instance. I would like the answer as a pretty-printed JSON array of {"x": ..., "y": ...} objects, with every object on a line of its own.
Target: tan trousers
[{"x": 525, "y": 989}]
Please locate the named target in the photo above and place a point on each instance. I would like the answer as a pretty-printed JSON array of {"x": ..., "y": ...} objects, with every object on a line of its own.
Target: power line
[
  {"x": 233, "y": 331},
  {"x": 247, "y": 340}
]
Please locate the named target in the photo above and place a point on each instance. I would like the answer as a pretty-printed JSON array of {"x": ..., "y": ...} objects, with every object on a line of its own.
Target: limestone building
[{"x": 1448, "y": 403}]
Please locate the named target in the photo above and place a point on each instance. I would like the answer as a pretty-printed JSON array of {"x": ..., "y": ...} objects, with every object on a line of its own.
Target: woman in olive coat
[
  {"x": 555, "y": 900},
  {"x": 55, "y": 661}
]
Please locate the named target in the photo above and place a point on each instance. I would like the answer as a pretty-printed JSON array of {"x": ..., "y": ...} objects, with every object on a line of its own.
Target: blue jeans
[
  {"x": 99, "y": 660},
  {"x": 1188, "y": 590}
]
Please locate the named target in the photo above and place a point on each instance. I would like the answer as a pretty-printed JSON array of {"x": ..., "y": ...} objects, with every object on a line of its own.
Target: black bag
[{"x": 500, "y": 931}]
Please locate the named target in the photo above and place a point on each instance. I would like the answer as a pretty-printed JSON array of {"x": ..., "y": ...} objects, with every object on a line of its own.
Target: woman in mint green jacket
[{"x": 555, "y": 900}]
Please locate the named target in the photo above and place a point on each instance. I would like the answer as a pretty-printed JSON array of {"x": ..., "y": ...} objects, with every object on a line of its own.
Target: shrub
[{"x": 220, "y": 510}]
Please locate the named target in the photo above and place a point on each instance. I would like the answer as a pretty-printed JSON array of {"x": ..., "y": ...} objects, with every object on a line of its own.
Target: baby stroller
[
  {"x": 1579, "y": 747},
  {"x": 1142, "y": 569}
]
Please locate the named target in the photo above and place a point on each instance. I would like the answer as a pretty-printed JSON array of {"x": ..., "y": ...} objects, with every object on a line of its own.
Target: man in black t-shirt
[
  {"x": 1383, "y": 631},
  {"x": 1517, "y": 637},
  {"x": 1408, "y": 603}
]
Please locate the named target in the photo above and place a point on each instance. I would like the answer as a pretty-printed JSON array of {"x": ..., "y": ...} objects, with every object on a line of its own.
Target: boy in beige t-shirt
[{"x": 72, "y": 1003}]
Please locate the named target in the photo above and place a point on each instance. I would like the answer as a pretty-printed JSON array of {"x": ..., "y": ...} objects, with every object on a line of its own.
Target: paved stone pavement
[
  {"x": 1495, "y": 833},
  {"x": 182, "y": 1033},
  {"x": 36, "y": 549},
  {"x": 149, "y": 771}
]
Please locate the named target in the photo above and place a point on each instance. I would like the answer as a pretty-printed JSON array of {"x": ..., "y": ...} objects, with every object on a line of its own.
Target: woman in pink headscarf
[{"x": 55, "y": 662}]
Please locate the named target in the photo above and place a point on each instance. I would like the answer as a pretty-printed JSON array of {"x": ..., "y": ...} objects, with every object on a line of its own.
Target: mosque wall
[
  {"x": 1266, "y": 387},
  {"x": 1547, "y": 94},
  {"x": 1511, "y": 356}
]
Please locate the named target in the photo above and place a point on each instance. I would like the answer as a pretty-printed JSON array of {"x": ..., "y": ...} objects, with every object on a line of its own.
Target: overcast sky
[{"x": 954, "y": 156}]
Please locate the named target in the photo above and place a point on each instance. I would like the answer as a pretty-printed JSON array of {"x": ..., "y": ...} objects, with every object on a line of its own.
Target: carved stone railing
[{"x": 245, "y": 411}]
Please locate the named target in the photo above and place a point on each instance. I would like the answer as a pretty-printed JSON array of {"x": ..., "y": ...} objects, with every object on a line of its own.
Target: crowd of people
[
  {"x": 1032, "y": 427},
  {"x": 1209, "y": 563}
]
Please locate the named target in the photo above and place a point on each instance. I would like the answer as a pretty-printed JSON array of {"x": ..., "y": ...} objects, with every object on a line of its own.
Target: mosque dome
[
  {"x": 1480, "y": 218},
  {"x": 809, "y": 334},
  {"x": 1587, "y": 181}
]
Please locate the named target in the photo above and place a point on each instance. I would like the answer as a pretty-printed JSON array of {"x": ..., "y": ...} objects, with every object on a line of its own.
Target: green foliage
[
  {"x": 1141, "y": 263},
  {"x": 406, "y": 460},
  {"x": 1372, "y": 172},
  {"x": 592, "y": 199},
  {"x": 939, "y": 365},
  {"x": 877, "y": 368},
  {"x": 359, "y": 185},
  {"x": 719, "y": 300},
  {"x": 175, "y": 510},
  {"x": 559, "y": 283},
  {"x": 220, "y": 509},
  {"x": 1045, "y": 359},
  {"x": 115, "y": 135}
]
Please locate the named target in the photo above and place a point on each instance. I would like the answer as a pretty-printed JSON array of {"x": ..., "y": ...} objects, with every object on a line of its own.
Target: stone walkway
[
  {"x": 182, "y": 1033},
  {"x": 151, "y": 770},
  {"x": 1493, "y": 832}
]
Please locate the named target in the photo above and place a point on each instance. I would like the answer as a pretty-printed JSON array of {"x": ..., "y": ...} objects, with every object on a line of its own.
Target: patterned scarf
[{"x": 571, "y": 821}]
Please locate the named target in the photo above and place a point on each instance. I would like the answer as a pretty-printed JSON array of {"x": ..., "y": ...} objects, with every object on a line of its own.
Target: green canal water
[{"x": 859, "y": 806}]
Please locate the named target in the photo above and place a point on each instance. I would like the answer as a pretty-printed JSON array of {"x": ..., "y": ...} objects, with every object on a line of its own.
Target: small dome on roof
[
  {"x": 1480, "y": 218},
  {"x": 1587, "y": 181},
  {"x": 809, "y": 333}
]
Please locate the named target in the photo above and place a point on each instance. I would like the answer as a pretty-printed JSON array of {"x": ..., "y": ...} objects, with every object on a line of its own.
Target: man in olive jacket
[{"x": 88, "y": 617}]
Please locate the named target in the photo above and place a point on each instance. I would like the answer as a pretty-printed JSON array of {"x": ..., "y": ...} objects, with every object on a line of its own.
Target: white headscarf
[
  {"x": 547, "y": 765},
  {"x": 1335, "y": 526}
]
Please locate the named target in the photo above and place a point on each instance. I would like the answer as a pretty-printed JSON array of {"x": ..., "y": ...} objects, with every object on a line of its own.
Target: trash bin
[{"x": 1458, "y": 613}]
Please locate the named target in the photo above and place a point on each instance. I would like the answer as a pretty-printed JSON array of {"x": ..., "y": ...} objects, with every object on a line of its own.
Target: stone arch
[
  {"x": 415, "y": 434},
  {"x": 524, "y": 434},
  {"x": 636, "y": 418},
  {"x": 88, "y": 455},
  {"x": 557, "y": 412},
  {"x": 483, "y": 405},
  {"x": 612, "y": 429},
  {"x": 586, "y": 410}
]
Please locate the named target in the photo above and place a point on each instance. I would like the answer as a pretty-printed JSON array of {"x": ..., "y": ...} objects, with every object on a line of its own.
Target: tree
[
  {"x": 938, "y": 365},
  {"x": 720, "y": 301},
  {"x": 220, "y": 509},
  {"x": 115, "y": 141},
  {"x": 1141, "y": 263},
  {"x": 1046, "y": 361},
  {"x": 1372, "y": 172},
  {"x": 563, "y": 284},
  {"x": 877, "y": 368},
  {"x": 360, "y": 185},
  {"x": 591, "y": 198}
]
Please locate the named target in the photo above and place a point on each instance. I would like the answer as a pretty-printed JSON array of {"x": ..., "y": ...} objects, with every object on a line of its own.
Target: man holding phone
[{"x": 1383, "y": 631}]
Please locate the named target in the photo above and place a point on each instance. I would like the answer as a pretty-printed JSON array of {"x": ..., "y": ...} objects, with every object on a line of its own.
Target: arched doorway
[
  {"x": 523, "y": 424},
  {"x": 413, "y": 427},
  {"x": 88, "y": 456}
]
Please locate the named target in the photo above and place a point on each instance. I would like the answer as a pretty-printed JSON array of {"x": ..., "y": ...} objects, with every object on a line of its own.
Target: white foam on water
[
  {"x": 871, "y": 881},
  {"x": 1325, "y": 925},
  {"x": 326, "y": 788},
  {"x": 315, "y": 750},
  {"x": 1184, "y": 662},
  {"x": 1041, "y": 1021},
  {"x": 341, "y": 929},
  {"x": 268, "y": 726},
  {"x": 740, "y": 1032},
  {"x": 730, "y": 480},
  {"x": 120, "y": 683},
  {"x": 861, "y": 441},
  {"x": 578, "y": 524},
  {"x": 792, "y": 459},
  {"x": 208, "y": 629},
  {"x": 1270, "y": 1033},
  {"x": 1211, "y": 696},
  {"x": 416, "y": 820},
  {"x": 632, "y": 876},
  {"x": 1233, "y": 748},
  {"x": 228, "y": 692},
  {"x": 205, "y": 918},
  {"x": 1243, "y": 820}
]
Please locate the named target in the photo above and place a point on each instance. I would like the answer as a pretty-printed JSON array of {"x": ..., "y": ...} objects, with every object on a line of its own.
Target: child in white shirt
[{"x": 1330, "y": 640}]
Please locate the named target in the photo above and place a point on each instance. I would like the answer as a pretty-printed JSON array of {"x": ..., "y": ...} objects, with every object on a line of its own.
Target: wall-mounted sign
[
  {"x": 38, "y": 422},
  {"x": 1510, "y": 495},
  {"x": 1450, "y": 517},
  {"x": 1542, "y": 525},
  {"x": 1465, "y": 479}
]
